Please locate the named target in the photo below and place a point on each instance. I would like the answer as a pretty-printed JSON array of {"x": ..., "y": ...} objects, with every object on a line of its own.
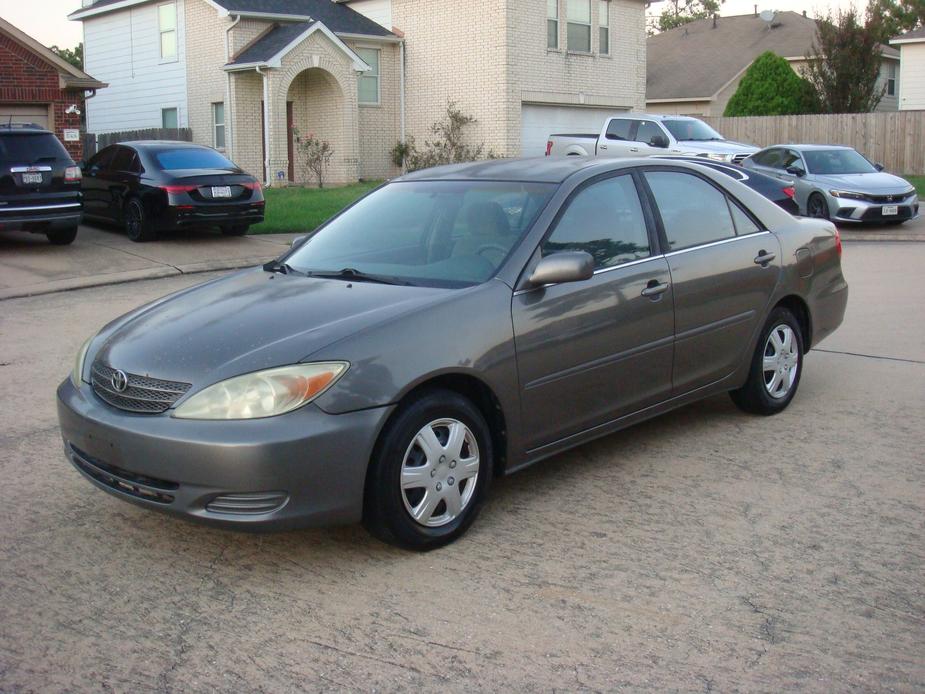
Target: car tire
[
  {"x": 817, "y": 207},
  {"x": 137, "y": 227},
  {"x": 62, "y": 237},
  {"x": 424, "y": 462},
  {"x": 235, "y": 229},
  {"x": 776, "y": 366}
]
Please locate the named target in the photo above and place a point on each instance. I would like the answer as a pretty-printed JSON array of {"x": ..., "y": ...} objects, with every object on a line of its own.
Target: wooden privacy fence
[
  {"x": 896, "y": 140},
  {"x": 94, "y": 143}
]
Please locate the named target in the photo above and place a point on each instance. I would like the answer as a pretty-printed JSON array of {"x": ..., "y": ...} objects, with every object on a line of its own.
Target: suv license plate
[
  {"x": 32, "y": 178},
  {"x": 221, "y": 191},
  {"x": 890, "y": 210}
]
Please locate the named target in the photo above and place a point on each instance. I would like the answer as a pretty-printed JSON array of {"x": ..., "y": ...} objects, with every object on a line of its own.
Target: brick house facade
[{"x": 38, "y": 86}]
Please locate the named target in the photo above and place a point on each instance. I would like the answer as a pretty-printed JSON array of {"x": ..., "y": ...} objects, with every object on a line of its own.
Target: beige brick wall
[
  {"x": 205, "y": 48},
  {"x": 246, "y": 119}
]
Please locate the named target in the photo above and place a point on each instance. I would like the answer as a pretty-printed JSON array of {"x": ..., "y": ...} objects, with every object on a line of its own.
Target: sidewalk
[{"x": 29, "y": 265}]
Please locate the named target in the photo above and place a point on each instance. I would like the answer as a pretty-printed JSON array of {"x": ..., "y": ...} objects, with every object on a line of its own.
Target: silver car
[{"x": 837, "y": 183}]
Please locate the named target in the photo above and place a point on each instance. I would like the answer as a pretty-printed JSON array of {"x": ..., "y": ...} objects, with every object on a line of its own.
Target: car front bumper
[
  {"x": 862, "y": 211},
  {"x": 304, "y": 468}
]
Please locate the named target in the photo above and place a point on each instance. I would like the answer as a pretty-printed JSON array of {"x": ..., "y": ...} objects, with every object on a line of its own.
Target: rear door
[
  {"x": 589, "y": 352},
  {"x": 724, "y": 268},
  {"x": 93, "y": 183}
]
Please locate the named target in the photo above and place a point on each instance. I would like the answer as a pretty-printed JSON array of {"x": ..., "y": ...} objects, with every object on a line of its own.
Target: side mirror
[
  {"x": 879, "y": 167},
  {"x": 298, "y": 241},
  {"x": 567, "y": 266},
  {"x": 794, "y": 171},
  {"x": 659, "y": 141}
]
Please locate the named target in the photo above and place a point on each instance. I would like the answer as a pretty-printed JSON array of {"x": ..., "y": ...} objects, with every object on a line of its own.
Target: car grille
[
  {"x": 142, "y": 394},
  {"x": 141, "y": 486},
  {"x": 739, "y": 158},
  {"x": 885, "y": 199},
  {"x": 248, "y": 503}
]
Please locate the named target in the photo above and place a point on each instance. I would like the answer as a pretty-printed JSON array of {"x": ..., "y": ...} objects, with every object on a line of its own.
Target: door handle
[
  {"x": 603, "y": 147},
  {"x": 763, "y": 258},
  {"x": 634, "y": 149},
  {"x": 655, "y": 289}
]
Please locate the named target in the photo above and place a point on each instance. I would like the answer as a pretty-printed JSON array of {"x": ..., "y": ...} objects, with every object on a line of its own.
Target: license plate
[
  {"x": 32, "y": 178},
  {"x": 221, "y": 191},
  {"x": 889, "y": 210}
]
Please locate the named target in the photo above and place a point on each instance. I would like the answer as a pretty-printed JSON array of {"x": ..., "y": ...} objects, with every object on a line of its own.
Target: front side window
[
  {"x": 606, "y": 220},
  {"x": 603, "y": 10},
  {"x": 169, "y": 118},
  {"x": 792, "y": 159},
  {"x": 218, "y": 125},
  {"x": 552, "y": 24},
  {"x": 579, "y": 25},
  {"x": 167, "y": 22},
  {"x": 693, "y": 211},
  {"x": 368, "y": 82},
  {"x": 648, "y": 131}
]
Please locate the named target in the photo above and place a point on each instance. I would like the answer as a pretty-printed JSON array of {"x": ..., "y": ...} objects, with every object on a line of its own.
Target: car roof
[
  {"x": 23, "y": 129},
  {"x": 159, "y": 144},
  {"x": 810, "y": 148}
]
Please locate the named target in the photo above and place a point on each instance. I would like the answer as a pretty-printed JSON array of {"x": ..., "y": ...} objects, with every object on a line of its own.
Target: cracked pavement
[{"x": 705, "y": 550}]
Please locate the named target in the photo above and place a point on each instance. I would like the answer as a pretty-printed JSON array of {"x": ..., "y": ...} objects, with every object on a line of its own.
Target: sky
[{"x": 46, "y": 20}]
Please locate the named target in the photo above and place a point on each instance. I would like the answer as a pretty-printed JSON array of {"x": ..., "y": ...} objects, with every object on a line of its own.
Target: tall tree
[
  {"x": 679, "y": 12},
  {"x": 899, "y": 16},
  {"x": 770, "y": 87},
  {"x": 844, "y": 62},
  {"x": 75, "y": 56}
]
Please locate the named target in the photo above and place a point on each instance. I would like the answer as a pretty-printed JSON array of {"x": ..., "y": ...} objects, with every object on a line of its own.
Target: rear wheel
[
  {"x": 776, "y": 366},
  {"x": 430, "y": 472},
  {"x": 136, "y": 222},
  {"x": 817, "y": 207},
  {"x": 235, "y": 229},
  {"x": 62, "y": 237}
]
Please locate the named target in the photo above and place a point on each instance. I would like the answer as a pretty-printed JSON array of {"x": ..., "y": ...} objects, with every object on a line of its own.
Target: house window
[
  {"x": 579, "y": 25},
  {"x": 603, "y": 9},
  {"x": 891, "y": 79},
  {"x": 167, "y": 23},
  {"x": 218, "y": 125},
  {"x": 552, "y": 24},
  {"x": 169, "y": 118},
  {"x": 368, "y": 82}
]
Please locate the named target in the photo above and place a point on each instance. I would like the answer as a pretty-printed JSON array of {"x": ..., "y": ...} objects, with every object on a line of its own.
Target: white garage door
[
  {"x": 537, "y": 123},
  {"x": 37, "y": 113}
]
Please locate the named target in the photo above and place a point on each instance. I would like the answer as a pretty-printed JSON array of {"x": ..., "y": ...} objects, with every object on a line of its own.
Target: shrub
[
  {"x": 448, "y": 145},
  {"x": 315, "y": 154},
  {"x": 770, "y": 87}
]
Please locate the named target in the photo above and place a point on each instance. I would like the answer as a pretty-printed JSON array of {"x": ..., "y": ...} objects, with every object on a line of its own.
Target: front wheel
[
  {"x": 62, "y": 237},
  {"x": 776, "y": 366},
  {"x": 817, "y": 207},
  {"x": 430, "y": 472}
]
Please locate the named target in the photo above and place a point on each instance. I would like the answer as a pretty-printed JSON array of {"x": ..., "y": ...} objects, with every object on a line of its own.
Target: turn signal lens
[
  {"x": 263, "y": 393},
  {"x": 790, "y": 191},
  {"x": 72, "y": 174}
]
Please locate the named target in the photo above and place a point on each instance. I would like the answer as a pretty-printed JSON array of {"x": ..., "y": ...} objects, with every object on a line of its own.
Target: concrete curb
[{"x": 875, "y": 236}]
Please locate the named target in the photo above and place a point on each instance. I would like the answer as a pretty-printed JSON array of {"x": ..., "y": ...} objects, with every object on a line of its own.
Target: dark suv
[{"x": 39, "y": 184}]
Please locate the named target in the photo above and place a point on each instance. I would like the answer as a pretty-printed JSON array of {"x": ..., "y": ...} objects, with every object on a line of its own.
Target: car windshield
[
  {"x": 837, "y": 161},
  {"x": 191, "y": 158},
  {"x": 691, "y": 130},
  {"x": 428, "y": 233},
  {"x": 31, "y": 149}
]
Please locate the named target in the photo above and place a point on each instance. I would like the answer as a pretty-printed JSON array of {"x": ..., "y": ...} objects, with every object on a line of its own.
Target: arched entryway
[{"x": 316, "y": 106}]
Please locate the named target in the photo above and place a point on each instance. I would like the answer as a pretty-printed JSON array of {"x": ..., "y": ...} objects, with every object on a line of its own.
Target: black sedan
[
  {"x": 152, "y": 186},
  {"x": 779, "y": 192}
]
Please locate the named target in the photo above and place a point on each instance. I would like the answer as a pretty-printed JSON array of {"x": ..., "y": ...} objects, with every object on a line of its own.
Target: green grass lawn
[
  {"x": 918, "y": 182},
  {"x": 303, "y": 209}
]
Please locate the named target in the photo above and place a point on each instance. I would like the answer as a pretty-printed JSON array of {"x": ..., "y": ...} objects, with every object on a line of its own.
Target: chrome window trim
[
  {"x": 41, "y": 207},
  {"x": 29, "y": 169},
  {"x": 717, "y": 243},
  {"x": 599, "y": 271}
]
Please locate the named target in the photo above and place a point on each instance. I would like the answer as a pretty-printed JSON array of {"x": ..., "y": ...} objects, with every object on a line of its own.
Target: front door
[{"x": 589, "y": 352}]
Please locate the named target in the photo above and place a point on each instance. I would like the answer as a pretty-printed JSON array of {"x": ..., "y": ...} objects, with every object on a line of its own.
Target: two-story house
[{"x": 362, "y": 74}]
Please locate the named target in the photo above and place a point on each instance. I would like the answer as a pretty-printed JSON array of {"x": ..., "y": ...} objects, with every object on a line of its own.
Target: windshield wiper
[
  {"x": 281, "y": 268},
  {"x": 352, "y": 274}
]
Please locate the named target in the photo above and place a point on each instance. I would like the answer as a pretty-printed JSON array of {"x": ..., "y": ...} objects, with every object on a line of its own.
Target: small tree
[
  {"x": 899, "y": 16},
  {"x": 315, "y": 154},
  {"x": 770, "y": 87},
  {"x": 679, "y": 12},
  {"x": 447, "y": 147},
  {"x": 844, "y": 62},
  {"x": 75, "y": 56}
]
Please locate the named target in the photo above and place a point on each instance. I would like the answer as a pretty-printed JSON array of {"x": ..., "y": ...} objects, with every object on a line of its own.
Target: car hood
[
  {"x": 718, "y": 146},
  {"x": 879, "y": 182},
  {"x": 249, "y": 321}
]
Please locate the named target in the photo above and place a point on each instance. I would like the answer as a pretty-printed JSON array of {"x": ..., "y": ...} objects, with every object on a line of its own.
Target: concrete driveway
[{"x": 706, "y": 550}]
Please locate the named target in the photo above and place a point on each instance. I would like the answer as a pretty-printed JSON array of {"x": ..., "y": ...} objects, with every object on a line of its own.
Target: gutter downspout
[
  {"x": 266, "y": 126},
  {"x": 229, "y": 107},
  {"x": 401, "y": 94}
]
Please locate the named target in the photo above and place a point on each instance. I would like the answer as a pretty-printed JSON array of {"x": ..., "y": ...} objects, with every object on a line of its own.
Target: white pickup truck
[{"x": 644, "y": 135}]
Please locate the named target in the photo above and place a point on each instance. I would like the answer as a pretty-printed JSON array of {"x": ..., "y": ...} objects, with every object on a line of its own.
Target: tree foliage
[
  {"x": 75, "y": 56},
  {"x": 448, "y": 145},
  {"x": 844, "y": 62},
  {"x": 899, "y": 16},
  {"x": 679, "y": 12},
  {"x": 770, "y": 87}
]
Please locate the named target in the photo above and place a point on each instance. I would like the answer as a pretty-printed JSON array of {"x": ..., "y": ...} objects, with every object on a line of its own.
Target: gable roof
[
  {"x": 268, "y": 50},
  {"x": 338, "y": 17},
  {"x": 696, "y": 60},
  {"x": 914, "y": 36},
  {"x": 71, "y": 77}
]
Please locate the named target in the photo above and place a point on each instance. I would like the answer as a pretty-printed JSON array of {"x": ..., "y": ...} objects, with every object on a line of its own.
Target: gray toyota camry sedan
[{"x": 453, "y": 325}]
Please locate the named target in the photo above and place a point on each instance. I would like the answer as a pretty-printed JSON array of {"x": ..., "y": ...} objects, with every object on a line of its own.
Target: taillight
[
  {"x": 548, "y": 147},
  {"x": 72, "y": 174},
  {"x": 790, "y": 191},
  {"x": 837, "y": 242},
  {"x": 255, "y": 185},
  {"x": 179, "y": 189}
]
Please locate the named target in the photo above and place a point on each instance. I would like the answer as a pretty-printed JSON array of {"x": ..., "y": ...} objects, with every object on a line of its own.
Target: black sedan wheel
[
  {"x": 62, "y": 237},
  {"x": 817, "y": 207},
  {"x": 136, "y": 223}
]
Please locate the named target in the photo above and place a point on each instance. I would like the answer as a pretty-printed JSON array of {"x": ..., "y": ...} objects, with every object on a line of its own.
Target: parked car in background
[
  {"x": 455, "y": 324},
  {"x": 152, "y": 186},
  {"x": 778, "y": 191},
  {"x": 39, "y": 184},
  {"x": 838, "y": 183},
  {"x": 645, "y": 134}
]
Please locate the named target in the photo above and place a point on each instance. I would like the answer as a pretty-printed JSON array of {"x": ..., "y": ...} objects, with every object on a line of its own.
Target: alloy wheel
[
  {"x": 781, "y": 361},
  {"x": 817, "y": 207},
  {"x": 439, "y": 472}
]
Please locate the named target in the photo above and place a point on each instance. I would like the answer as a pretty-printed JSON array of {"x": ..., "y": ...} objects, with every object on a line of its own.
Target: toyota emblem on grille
[{"x": 119, "y": 381}]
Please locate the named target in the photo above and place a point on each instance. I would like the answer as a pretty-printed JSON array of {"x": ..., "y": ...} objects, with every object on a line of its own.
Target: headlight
[
  {"x": 718, "y": 157},
  {"x": 847, "y": 194},
  {"x": 263, "y": 393},
  {"x": 77, "y": 371}
]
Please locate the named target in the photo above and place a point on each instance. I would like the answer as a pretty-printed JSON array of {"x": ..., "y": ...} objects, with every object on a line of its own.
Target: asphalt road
[{"x": 706, "y": 550}]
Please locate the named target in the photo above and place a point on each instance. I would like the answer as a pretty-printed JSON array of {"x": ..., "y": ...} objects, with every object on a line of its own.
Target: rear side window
[
  {"x": 605, "y": 219},
  {"x": 693, "y": 211},
  {"x": 31, "y": 148},
  {"x": 619, "y": 129},
  {"x": 191, "y": 158},
  {"x": 123, "y": 159}
]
